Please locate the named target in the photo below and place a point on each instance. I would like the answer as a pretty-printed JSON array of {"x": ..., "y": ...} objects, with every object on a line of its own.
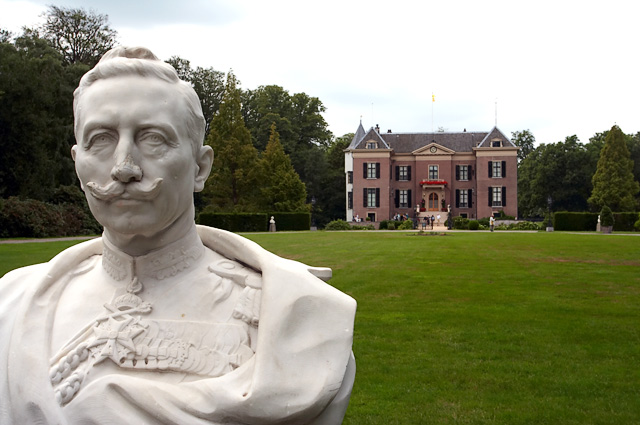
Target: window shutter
[
  {"x": 397, "y": 172},
  {"x": 377, "y": 197},
  {"x": 504, "y": 169},
  {"x": 457, "y": 172},
  {"x": 409, "y": 198},
  {"x": 364, "y": 197},
  {"x": 397, "y": 198},
  {"x": 504, "y": 196},
  {"x": 490, "y": 166},
  {"x": 470, "y": 195},
  {"x": 377, "y": 170},
  {"x": 490, "y": 195},
  {"x": 457, "y": 195},
  {"x": 409, "y": 172},
  {"x": 364, "y": 170},
  {"x": 470, "y": 172}
]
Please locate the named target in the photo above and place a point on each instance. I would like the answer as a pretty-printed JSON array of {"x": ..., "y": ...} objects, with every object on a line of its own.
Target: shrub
[
  {"x": 524, "y": 225},
  {"x": 391, "y": 226},
  {"x": 406, "y": 225},
  {"x": 337, "y": 225},
  {"x": 460, "y": 223},
  {"x": 606, "y": 216},
  {"x": 365, "y": 227},
  {"x": 636, "y": 226},
  {"x": 37, "y": 219},
  {"x": 474, "y": 224},
  {"x": 503, "y": 216},
  {"x": 483, "y": 222}
]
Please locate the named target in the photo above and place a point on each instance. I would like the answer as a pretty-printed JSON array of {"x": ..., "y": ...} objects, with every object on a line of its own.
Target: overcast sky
[{"x": 557, "y": 68}]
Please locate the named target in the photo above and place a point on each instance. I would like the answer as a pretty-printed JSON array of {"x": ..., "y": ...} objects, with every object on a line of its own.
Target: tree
[
  {"x": 206, "y": 82},
  {"x": 525, "y": 141},
  {"x": 80, "y": 36},
  {"x": 232, "y": 184},
  {"x": 35, "y": 136},
  {"x": 298, "y": 120},
  {"x": 613, "y": 181},
  {"x": 558, "y": 171},
  {"x": 280, "y": 186}
]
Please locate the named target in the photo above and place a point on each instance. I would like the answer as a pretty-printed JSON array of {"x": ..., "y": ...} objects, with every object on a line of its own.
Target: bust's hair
[{"x": 142, "y": 62}]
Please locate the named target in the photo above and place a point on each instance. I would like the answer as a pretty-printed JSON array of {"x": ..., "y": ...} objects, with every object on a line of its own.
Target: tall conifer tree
[
  {"x": 280, "y": 186},
  {"x": 231, "y": 186},
  {"x": 613, "y": 182}
]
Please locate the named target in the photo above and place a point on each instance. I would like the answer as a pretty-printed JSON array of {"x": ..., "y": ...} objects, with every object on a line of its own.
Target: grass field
[{"x": 480, "y": 328}]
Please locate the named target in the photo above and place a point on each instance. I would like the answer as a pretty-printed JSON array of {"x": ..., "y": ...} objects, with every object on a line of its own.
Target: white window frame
[
  {"x": 371, "y": 198},
  {"x": 496, "y": 196},
  {"x": 432, "y": 169},
  {"x": 403, "y": 173},
  {"x": 403, "y": 201},
  {"x": 371, "y": 170},
  {"x": 496, "y": 169},
  {"x": 463, "y": 198},
  {"x": 463, "y": 173}
]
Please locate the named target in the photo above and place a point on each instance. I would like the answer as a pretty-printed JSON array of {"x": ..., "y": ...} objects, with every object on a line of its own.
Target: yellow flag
[{"x": 433, "y": 97}]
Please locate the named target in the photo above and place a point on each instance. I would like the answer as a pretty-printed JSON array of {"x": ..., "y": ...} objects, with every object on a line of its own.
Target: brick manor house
[{"x": 475, "y": 173}]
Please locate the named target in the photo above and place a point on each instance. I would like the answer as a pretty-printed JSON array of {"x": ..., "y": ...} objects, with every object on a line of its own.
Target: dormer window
[
  {"x": 496, "y": 143},
  {"x": 372, "y": 145}
]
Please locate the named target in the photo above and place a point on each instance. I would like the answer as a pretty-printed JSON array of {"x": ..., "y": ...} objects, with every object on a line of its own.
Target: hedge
[
  {"x": 624, "y": 221},
  {"x": 235, "y": 222},
  {"x": 291, "y": 220},
  {"x": 575, "y": 221},
  {"x": 585, "y": 221}
]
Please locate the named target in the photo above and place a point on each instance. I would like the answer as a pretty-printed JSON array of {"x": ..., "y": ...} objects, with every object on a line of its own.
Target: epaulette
[{"x": 247, "y": 308}]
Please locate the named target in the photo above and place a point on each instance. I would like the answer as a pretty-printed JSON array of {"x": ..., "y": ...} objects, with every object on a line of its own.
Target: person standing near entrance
[{"x": 492, "y": 222}]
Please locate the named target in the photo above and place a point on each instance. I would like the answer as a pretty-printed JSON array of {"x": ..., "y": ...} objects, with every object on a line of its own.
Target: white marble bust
[{"x": 160, "y": 320}]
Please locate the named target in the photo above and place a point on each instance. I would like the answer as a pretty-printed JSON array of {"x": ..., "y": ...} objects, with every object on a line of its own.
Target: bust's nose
[{"x": 126, "y": 170}]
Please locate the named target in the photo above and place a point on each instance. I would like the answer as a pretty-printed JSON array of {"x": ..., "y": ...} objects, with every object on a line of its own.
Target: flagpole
[{"x": 433, "y": 100}]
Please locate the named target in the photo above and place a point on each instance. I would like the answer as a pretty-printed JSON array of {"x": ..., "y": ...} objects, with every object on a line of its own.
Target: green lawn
[{"x": 480, "y": 328}]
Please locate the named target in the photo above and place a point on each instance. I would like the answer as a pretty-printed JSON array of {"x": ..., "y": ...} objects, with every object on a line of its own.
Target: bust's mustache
[{"x": 137, "y": 190}]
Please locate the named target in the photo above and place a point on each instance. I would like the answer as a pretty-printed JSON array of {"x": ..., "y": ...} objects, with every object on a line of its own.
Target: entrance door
[{"x": 433, "y": 202}]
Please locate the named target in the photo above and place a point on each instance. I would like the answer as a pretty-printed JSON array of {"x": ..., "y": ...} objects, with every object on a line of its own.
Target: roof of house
[{"x": 408, "y": 142}]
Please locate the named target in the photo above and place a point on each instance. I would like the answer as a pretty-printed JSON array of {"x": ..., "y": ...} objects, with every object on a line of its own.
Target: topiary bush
[
  {"x": 606, "y": 216},
  {"x": 474, "y": 224},
  {"x": 636, "y": 226}
]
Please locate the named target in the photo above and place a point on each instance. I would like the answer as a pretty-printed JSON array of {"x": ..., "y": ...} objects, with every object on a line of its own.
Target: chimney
[
  {"x": 377, "y": 128},
  {"x": 389, "y": 131}
]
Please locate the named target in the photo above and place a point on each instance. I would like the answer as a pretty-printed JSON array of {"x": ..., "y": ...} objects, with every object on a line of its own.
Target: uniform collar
[{"x": 158, "y": 264}]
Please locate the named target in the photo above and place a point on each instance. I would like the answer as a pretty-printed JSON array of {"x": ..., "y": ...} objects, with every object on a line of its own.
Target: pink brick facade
[{"x": 475, "y": 173}]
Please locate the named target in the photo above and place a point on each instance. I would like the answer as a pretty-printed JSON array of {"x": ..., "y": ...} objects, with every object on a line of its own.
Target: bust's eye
[
  {"x": 152, "y": 143},
  {"x": 101, "y": 141},
  {"x": 152, "y": 138}
]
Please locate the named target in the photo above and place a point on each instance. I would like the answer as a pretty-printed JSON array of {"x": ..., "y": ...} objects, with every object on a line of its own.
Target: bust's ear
[
  {"x": 74, "y": 148},
  {"x": 204, "y": 161}
]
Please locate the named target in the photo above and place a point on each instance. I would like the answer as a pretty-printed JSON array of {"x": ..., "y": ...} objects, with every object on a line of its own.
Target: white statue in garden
[{"x": 160, "y": 320}]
